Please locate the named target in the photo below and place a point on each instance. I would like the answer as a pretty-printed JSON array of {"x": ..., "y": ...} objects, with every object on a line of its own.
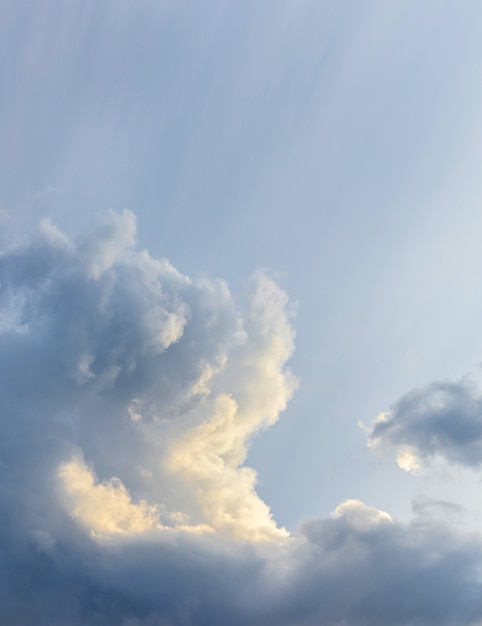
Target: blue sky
[{"x": 331, "y": 151}]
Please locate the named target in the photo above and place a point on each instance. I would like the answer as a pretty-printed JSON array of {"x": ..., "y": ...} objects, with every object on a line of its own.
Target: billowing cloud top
[
  {"x": 129, "y": 394},
  {"x": 122, "y": 363}
]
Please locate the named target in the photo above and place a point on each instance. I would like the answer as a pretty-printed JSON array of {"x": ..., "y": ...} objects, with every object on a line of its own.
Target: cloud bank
[{"x": 129, "y": 394}]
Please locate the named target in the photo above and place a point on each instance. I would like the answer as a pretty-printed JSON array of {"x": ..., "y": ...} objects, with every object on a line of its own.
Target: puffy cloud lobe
[
  {"x": 209, "y": 456},
  {"x": 104, "y": 507},
  {"x": 208, "y": 460},
  {"x": 442, "y": 420}
]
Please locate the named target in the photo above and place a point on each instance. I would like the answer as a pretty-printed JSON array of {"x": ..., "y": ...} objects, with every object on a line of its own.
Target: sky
[{"x": 239, "y": 313}]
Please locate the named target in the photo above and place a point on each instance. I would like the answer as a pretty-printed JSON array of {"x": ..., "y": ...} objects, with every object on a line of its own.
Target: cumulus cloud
[
  {"x": 130, "y": 363},
  {"x": 129, "y": 395},
  {"x": 440, "y": 421}
]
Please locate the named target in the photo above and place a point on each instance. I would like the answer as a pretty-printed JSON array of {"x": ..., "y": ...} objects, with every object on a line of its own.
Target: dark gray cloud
[
  {"x": 128, "y": 397},
  {"x": 441, "y": 420},
  {"x": 354, "y": 569}
]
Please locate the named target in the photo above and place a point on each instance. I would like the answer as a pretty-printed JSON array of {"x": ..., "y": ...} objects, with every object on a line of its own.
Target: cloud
[
  {"x": 440, "y": 421},
  {"x": 128, "y": 398},
  {"x": 209, "y": 457},
  {"x": 357, "y": 567},
  {"x": 370, "y": 569},
  {"x": 124, "y": 362}
]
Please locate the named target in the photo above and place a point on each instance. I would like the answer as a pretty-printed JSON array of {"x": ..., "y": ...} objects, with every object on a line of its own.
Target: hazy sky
[{"x": 239, "y": 312}]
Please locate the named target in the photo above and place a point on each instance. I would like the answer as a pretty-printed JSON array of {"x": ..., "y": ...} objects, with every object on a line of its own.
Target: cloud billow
[{"x": 136, "y": 378}]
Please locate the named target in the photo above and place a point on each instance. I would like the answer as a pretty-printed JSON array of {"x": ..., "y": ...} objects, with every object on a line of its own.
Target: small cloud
[{"x": 440, "y": 422}]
